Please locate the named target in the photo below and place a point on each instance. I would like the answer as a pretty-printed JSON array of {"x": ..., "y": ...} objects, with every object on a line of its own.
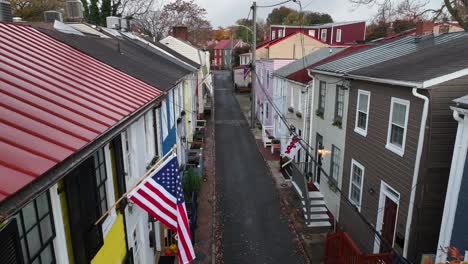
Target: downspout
[
  {"x": 422, "y": 130},
  {"x": 453, "y": 189},
  {"x": 310, "y": 111}
]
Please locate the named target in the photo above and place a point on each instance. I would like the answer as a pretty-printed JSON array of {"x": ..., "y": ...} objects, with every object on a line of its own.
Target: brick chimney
[
  {"x": 424, "y": 28},
  {"x": 180, "y": 32}
]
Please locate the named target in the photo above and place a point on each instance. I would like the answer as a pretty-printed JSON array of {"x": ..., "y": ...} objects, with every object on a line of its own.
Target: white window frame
[
  {"x": 291, "y": 94},
  {"x": 171, "y": 108},
  {"x": 299, "y": 101},
  {"x": 323, "y": 37},
  {"x": 280, "y": 33},
  {"x": 332, "y": 163},
  {"x": 273, "y": 34},
  {"x": 390, "y": 146},
  {"x": 359, "y": 165},
  {"x": 362, "y": 132},
  {"x": 338, "y": 35},
  {"x": 149, "y": 135},
  {"x": 112, "y": 216},
  {"x": 164, "y": 122},
  {"x": 312, "y": 33}
]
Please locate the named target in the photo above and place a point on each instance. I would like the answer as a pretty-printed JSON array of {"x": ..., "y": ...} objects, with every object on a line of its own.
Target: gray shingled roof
[
  {"x": 385, "y": 52},
  {"x": 310, "y": 59},
  {"x": 424, "y": 64}
]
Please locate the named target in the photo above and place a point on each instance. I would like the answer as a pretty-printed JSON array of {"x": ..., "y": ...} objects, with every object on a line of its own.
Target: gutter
[
  {"x": 13, "y": 204},
  {"x": 372, "y": 79},
  {"x": 417, "y": 164}
]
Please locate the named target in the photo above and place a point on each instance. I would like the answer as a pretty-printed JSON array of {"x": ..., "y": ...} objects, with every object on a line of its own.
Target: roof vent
[
  {"x": 74, "y": 9},
  {"x": 52, "y": 15},
  {"x": 5, "y": 10},
  {"x": 17, "y": 19}
]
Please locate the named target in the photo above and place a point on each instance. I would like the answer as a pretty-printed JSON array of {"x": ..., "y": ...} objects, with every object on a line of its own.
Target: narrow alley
[{"x": 254, "y": 229}]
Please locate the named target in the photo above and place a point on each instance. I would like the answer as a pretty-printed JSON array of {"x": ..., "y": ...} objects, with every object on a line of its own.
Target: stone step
[
  {"x": 315, "y": 195},
  {"x": 317, "y": 217},
  {"x": 319, "y": 224},
  {"x": 315, "y": 210}
]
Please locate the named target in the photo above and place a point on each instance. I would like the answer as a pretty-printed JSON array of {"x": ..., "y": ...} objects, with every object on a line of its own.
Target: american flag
[{"x": 161, "y": 195}]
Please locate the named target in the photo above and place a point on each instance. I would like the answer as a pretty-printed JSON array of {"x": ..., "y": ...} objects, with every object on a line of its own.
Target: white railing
[{"x": 267, "y": 132}]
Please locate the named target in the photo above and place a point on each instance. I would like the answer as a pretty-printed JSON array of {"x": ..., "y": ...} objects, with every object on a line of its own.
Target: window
[
  {"x": 280, "y": 33},
  {"x": 101, "y": 178},
  {"x": 339, "y": 103},
  {"x": 36, "y": 231},
  {"x": 323, "y": 35},
  {"x": 322, "y": 95},
  {"x": 335, "y": 163},
  {"x": 338, "y": 35},
  {"x": 291, "y": 96},
  {"x": 268, "y": 79},
  {"x": 312, "y": 33},
  {"x": 149, "y": 135},
  {"x": 397, "y": 126},
  {"x": 267, "y": 110},
  {"x": 299, "y": 99},
  {"x": 273, "y": 34},
  {"x": 356, "y": 183},
  {"x": 362, "y": 112}
]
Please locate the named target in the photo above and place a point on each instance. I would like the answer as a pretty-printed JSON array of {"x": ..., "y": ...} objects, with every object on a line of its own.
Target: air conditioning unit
[
  {"x": 74, "y": 10},
  {"x": 5, "y": 10},
  {"x": 52, "y": 15},
  {"x": 113, "y": 22}
]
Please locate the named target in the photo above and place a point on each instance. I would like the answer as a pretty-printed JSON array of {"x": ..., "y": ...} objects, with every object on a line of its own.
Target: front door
[
  {"x": 318, "y": 158},
  {"x": 388, "y": 224}
]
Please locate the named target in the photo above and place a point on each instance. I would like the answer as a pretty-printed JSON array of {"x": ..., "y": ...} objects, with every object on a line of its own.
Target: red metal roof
[
  {"x": 54, "y": 100},
  {"x": 302, "y": 76}
]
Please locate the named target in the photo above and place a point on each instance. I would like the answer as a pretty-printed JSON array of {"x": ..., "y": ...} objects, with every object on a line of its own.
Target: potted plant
[
  {"x": 319, "y": 113},
  {"x": 191, "y": 184},
  {"x": 337, "y": 123},
  {"x": 275, "y": 143}
]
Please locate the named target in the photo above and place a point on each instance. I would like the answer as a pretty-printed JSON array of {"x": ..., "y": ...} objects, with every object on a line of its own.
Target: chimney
[
  {"x": 52, "y": 15},
  {"x": 5, "y": 11},
  {"x": 390, "y": 31},
  {"x": 180, "y": 32},
  {"x": 74, "y": 10},
  {"x": 424, "y": 28}
]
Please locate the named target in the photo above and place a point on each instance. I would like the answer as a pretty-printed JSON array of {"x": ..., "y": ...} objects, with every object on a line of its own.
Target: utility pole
[{"x": 253, "y": 70}]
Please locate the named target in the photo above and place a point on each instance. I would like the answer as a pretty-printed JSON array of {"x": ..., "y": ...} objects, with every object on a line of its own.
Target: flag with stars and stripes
[{"x": 161, "y": 195}]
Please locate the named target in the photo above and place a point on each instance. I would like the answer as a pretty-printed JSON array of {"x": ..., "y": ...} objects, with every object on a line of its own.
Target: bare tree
[
  {"x": 131, "y": 8},
  {"x": 415, "y": 9}
]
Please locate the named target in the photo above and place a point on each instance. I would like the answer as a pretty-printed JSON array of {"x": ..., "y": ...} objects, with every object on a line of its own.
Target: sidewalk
[{"x": 311, "y": 243}]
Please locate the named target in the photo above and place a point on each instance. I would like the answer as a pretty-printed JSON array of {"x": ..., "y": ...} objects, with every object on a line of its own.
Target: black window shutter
[
  {"x": 83, "y": 210},
  {"x": 10, "y": 247},
  {"x": 119, "y": 163}
]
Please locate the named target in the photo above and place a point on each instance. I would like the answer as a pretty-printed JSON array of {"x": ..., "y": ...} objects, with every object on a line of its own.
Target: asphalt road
[{"x": 254, "y": 230}]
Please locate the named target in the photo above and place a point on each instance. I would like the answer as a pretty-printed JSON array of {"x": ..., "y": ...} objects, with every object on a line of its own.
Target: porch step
[
  {"x": 315, "y": 203},
  {"x": 316, "y": 195},
  {"x": 316, "y": 209},
  {"x": 315, "y": 217},
  {"x": 319, "y": 224}
]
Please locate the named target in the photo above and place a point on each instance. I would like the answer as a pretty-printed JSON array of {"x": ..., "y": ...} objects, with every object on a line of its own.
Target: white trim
[
  {"x": 60, "y": 242},
  {"x": 112, "y": 216},
  {"x": 453, "y": 188},
  {"x": 323, "y": 37},
  {"x": 390, "y": 146},
  {"x": 444, "y": 78},
  {"x": 359, "y": 165},
  {"x": 338, "y": 33},
  {"x": 384, "y": 192},
  {"x": 357, "y": 129}
]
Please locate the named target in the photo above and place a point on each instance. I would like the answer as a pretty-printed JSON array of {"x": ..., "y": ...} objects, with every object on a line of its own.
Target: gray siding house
[
  {"x": 399, "y": 139},
  {"x": 453, "y": 227}
]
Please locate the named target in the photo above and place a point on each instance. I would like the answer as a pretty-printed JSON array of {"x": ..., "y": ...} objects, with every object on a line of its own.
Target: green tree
[
  {"x": 106, "y": 10},
  {"x": 85, "y": 9},
  {"x": 277, "y": 16},
  {"x": 312, "y": 18},
  {"x": 94, "y": 16},
  {"x": 33, "y": 10}
]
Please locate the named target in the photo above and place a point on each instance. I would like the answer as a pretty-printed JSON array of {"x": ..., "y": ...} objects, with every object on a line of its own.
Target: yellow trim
[
  {"x": 66, "y": 220},
  {"x": 114, "y": 248}
]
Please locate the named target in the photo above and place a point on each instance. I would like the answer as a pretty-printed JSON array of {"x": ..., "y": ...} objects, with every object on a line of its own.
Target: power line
[{"x": 284, "y": 2}]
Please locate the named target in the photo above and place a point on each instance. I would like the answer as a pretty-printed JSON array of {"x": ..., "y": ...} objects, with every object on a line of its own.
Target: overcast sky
[{"x": 226, "y": 12}]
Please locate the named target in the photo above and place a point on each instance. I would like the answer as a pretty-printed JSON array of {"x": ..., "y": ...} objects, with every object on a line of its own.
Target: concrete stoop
[{"x": 317, "y": 216}]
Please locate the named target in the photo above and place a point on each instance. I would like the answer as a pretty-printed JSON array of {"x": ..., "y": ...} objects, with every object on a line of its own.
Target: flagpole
[{"x": 136, "y": 183}]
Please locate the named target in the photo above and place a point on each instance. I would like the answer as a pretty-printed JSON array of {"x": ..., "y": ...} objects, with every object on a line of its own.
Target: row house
[
  {"x": 151, "y": 65},
  {"x": 455, "y": 216},
  {"x": 64, "y": 114},
  {"x": 399, "y": 137},
  {"x": 330, "y": 33},
  {"x": 223, "y": 52},
  {"x": 271, "y": 56},
  {"x": 204, "y": 92}
]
